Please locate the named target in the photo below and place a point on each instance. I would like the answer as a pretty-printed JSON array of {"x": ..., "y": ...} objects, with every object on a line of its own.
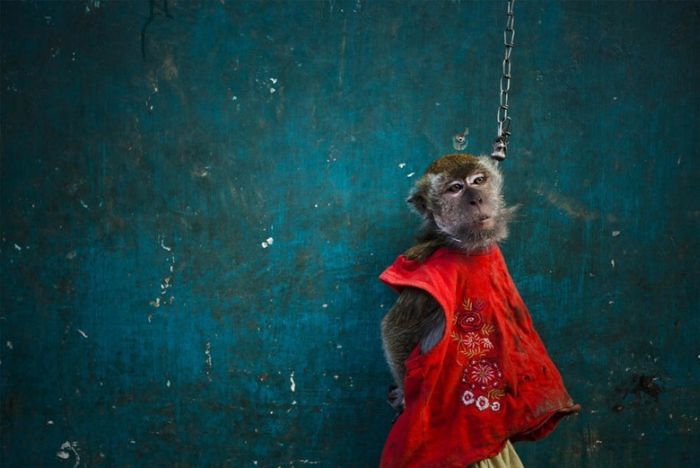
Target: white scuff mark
[
  {"x": 18, "y": 248},
  {"x": 167, "y": 384},
  {"x": 267, "y": 242},
  {"x": 155, "y": 303},
  {"x": 165, "y": 247},
  {"x": 315, "y": 205},
  {"x": 292, "y": 384},
  {"x": 165, "y": 285},
  {"x": 208, "y": 360},
  {"x": 325, "y": 306},
  {"x": 9, "y": 345},
  {"x": 339, "y": 346},
  {"x": 336, "y": 376},
  {"x": 274, "y": 80},
  {"x": 612, "y": 262},
  {"x": 49, "y": 422},
  {"x": 132, "y": 441},
  {"x": 202, "y": 173},
  {"x": 402, "y": 165},
  {"x": 71, "y": 255},
  {"x": 73, "y": 57},
  {"x": 615, "y": 233},
  {"x": 678, "y": 161},
  {"x": 272, "y": 90},
  {"x": 82, "y": 333},
  {"x": 65, "y": 455},
  {"x": 305, "y": 462},
  {"x": 411, "y": 174},
  {"x": 83, "y": 204},
  {"x": 614, "y": 98}
]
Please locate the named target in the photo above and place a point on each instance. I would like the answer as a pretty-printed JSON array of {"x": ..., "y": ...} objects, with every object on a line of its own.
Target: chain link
[{"x": 501, "y": 143}]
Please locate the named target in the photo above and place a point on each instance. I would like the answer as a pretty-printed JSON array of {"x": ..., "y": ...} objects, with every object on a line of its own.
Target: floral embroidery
[
  {"x": 482, "y": 403},
  {"x": 467, "y": 397},
  {"x": 482, "y": 375},
  {"x": 470, "y": 321}
]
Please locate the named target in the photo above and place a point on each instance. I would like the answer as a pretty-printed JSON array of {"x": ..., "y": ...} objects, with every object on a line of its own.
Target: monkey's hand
[{"x": 395, "y": 398}]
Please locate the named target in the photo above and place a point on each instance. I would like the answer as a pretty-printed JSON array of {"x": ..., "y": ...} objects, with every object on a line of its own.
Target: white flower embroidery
[
  {"x": 482, "y": 403},
  {"x": 495, "y": 406},
  {"x": 472, "y": 340},
  {"x": 468, "y": 398},
  {"x": 486, "y": 343}
]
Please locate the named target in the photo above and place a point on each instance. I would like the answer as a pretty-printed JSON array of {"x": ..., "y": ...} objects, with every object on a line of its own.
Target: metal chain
[{"x": 500, "y": 145}]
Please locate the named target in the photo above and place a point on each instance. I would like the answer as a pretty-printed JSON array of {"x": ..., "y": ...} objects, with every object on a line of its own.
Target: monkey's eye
[
  {"x": 455, "y": 187},
  {"x": 476, "y": 179}
]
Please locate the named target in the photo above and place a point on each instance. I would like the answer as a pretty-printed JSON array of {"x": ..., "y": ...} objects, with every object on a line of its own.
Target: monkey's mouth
[{"x": 484, "y": 221}]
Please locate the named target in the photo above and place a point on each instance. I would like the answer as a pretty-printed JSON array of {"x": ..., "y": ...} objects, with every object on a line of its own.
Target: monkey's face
[
  {"x": 461, "y": 196},
  {"x": 465, "y": 201}
]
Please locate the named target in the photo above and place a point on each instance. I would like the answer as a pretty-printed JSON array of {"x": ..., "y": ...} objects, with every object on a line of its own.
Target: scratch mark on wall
[
  {"x": 9, "y": 345},
  {"x": 165, "y": 247},
  {"x": 292, "y": 385},
  {"x": 208, "y": 360},
  {"x": 343, "y": 44},
  {"x": 82, "y": 333},
  {"x": 569, "y": 206}
]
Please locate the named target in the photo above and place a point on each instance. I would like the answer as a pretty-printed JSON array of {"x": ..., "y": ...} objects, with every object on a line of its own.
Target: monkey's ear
[{"x": 418, "y": 201}]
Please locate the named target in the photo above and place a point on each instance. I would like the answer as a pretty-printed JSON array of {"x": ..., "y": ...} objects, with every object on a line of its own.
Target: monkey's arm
[{"x": 415, "y": 318}]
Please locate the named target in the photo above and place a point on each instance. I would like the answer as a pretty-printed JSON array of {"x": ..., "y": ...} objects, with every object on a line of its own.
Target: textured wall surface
[{"x": 192, "y": 224}]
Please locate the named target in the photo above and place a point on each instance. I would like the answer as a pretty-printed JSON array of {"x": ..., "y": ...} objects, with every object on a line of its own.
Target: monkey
[
  {"x": 461, "y": 205},
  {"x": 464, "y": 217}
]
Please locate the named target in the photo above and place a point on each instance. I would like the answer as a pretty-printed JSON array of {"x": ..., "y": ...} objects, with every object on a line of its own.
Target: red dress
[{"x": 487, "y": 381}]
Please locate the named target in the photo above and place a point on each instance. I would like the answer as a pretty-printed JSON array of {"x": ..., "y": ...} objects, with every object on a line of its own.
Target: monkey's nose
[{"x": 476, "y": 201}]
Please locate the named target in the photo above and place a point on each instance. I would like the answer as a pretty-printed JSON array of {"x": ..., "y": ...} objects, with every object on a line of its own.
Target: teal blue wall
[{"x": 127, "y": 179}]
